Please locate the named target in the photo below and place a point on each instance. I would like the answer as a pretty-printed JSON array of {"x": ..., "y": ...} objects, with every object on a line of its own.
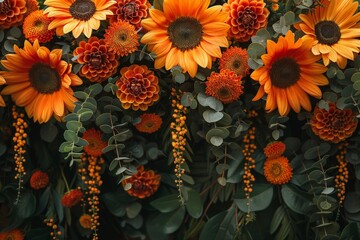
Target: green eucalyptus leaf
[
  {"x": 194, "y": 204},
  {"x": 296, "y": 200},
  {"x": 260, "y": 198},
  {"x": 212, "y": 116},
  {"x": 133, "y": 209},
  {"x": 48, "y": 132},
  {"x": 173, "y": 220},
  {"x": 167, "y": 203}
]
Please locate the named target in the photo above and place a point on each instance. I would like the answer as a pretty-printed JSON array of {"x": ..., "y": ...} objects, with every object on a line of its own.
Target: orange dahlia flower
[
  {"x": 149, "y": 123},
  {"x": 225, "y": 86},
  {"x": 246, "y": 17},
  {"x": 138, "y": 87},
  {"x": 290, "y": 72},
  {"x": 36, "y": 27},
  {"x": 72, "y": 198},
  {"x": 274, "y": 149},
  {"x": 98, "y": 62},
  {"x": 32, "y": 6},
  {"x": 334, "y": 125},
  {"x": 77, "y": 16},
  {"x": 121, "y": 38},
  {"x": 131, "y": 11},
  {"x": 277, "y": 170},
  {"x": 39, "y": 180},
  {"x": 186, "y": 33},
  {"x": 40, "y": 81},
  {"x": 333, "y": 30},
  {"x": 236, "y": 60},
  {"x": 85, "y": 221},
  {"x": 96, "y": 144},
  {"x": 15, "y": 234},
  {"x": 143, "y": 183},
  {"x": 12, "y": 13}
]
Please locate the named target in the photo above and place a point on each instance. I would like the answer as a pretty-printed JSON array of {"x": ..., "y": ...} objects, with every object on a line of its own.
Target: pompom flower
[
  {"x": 131, "y": 11},
  {"x": 99, "y": 63},
  {"x": 12, "y": 13},
  {"x": 77, "y": 16},
  {"x": 36, "y": 27},
  {"x": 71, "y": 198},
  {"x": 39, "y": 180},
  {"x": 121, "y": 38},
  {"x": 96, "y": 144},
  {"x": 149, "y": 123},
  {"x": 277, "y": 170},
  {"x": 40, "y": 81},
  {"x": 15, "y": 234},
  {"x": 85, "y": 221},
  {"x": 138, "y": 87},
  {"x": 143, "y": 183},
  {"x": 289, "y": 74},
  {"x": 186, "y": 33},
  {"x": 225, "y": 86},
  {"x": 236, "y": 60},
  {"x": 32, "y": 6},
  {"x": 334, "y": 125},
  {"x": 246, "y": 17},
  {"x": 274, "y": 149},
  {"x": 333, "y": 29}
]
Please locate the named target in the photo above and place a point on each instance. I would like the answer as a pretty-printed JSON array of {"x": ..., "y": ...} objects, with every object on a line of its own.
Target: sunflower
[
  {"x": 78, "y": 16},
  {"x": 277, "y": 170},
  {"x": 85, "y": 221},
  {"x": 12, "y": 13},
  {"x": 274, "y": 149},
  {"x": 149, "y": 123},
  {"x": 40, "y": 81},
  {"x": 290, "y": 72},
  {"x": 333, "y": 30},
  {"x": 36, "y": 27},
  {"x": 121, "y": 38},
  {"x": 186, "y": 33},
  {"x": 236, "y": 60},
  {"x": 39, "y": 180},
  {"x": 96, "y": 144}
]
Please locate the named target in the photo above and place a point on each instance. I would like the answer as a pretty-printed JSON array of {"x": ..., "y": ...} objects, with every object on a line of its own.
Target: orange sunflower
[
  {"x": 96, "y": 144},
  {"x": 12, "y": 13},
  {"x": 36, "y": 27},
  {"x": 333, "y": 30},
  {"x": 187, "y": 33},
  {"x": 40, "y": 81},
  {"x": 78, "y": 16},
  {"x": 236, "y": 60},
  {"x": 289, "y": 74},
  {"x": 149, "y": 123},
  {"x": 278, "y": 170}
]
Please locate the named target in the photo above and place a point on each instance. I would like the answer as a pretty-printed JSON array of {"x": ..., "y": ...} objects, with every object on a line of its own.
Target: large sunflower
[
  {"x": 40, "y": 81},
  {"x": 78, "y": 16},
  {"x": 187, "y": 33},
  {"x": 333, "y": 29},
  {"x": 290, "y": 72}
]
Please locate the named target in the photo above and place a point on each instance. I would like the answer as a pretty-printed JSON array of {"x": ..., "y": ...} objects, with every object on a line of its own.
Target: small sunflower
[
  {"x": 236, "y": 60},
  {"x": 277, "y": 170},
  {"x": 289, "y": 74},
  {"x": 121, "y": 38},
  {"x": 72, "y": 198},
  {"x": 274, "y": 149},
  {"x": 39, "y": 180},
  {"x": 96, "y": 144},
  {"x": 333, "y": 29},
  {"x": 149, "y": 123},
  {"x": 225, "y": 86},
  {"x": 85, "y": 221},
  {"x": 36, "y": 27},
  {"x": 12, "y": 13}
]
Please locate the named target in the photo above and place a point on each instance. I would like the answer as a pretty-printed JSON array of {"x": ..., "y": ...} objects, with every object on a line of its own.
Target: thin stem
[{"x": 64, "y": 179}]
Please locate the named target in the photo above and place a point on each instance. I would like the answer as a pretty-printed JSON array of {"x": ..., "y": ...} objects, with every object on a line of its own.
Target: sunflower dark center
[
  {"x": 82, "y": 9},
  {"x": 38, "y": 23},
  {"x": 327, "y": 32},
  {"x": 247, "y": 18},
  {"x": 150, "y": 124},
  {"x": 284, "y": 72},
  {"x": 185, "y": 33},
  {"x": 123, "y": 37},
  {"x": 44, "y": 79},
  {"x": 276, "y": 169},
  {"x": 236, "y": 64},
  {"x": 224, "y": 92}
]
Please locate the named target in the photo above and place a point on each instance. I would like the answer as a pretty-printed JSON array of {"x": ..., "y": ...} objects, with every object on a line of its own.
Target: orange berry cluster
[
  {"x": 178, "y": 138},
  {"x": 343, "y": 174},
  {"x": 56, "y": 233},
  {"x": 274, "y": 5},
  {"x": 248, "y": 177},
  {"x": 19, "y": 140},
  {"x": 252, "y": 114}
]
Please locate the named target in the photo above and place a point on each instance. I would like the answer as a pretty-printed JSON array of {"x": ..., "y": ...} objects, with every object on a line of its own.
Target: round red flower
[
  {"x": 96, "y": 144},
  {"x": 236, "y": 60},
  {"x": 36, "y": 27},
  {"x": 39, "y": 180},
  {"x": 334, "y": 124},
  {"x": 12, "y": 13},
  {"x": 143, "y": 183},
  {"x": 131, "y": 11},
  {"x": 225, "y": 86},
  {"x": 277, "y": 170},
  {"x": 138, "y": 87},
  {"x": 274, "y": 149},
  {"x": 150, "y": 123},
  {"x": 72, "y": 198},
  {"x": 15, "y": 234}
]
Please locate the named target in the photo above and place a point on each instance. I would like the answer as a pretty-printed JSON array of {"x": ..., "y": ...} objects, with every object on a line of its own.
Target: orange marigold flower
[
  {"x": 334, "y": 124},
  {"x": 36, "y": 27},
  {"x": 277, "y": 170},
  {"x": 99, "y": 63},
  {"x": 246, "y": 17},
  {"x": 12, "y": 13},
  {"x": 40, "y": 81},
  {"x": 143, "y": 183},
  {"x": 236, "y": 60},
  {"x": 15, "y": 234},
  {"x": 31, "y": 5},
  {"x": 150, "y": 123},
  {"x": 138, "y": 87},
  {"x": 85, "y": 221},
  {"x": 71, "y": 198},
  {"x": 121, "y": 38},
  {"x": 96, "y": 144},
  {"x": 39, "y": 180},
  {"x": 131, "y": 11},
  {"x": 274, "y": 149},
  {"x": 225, "y": 86}
]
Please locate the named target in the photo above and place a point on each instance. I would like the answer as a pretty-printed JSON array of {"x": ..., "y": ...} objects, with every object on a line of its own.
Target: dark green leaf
[
  {"x": 167, "y": 203},
  {"x": 194, "y": 204},
  {"x": 297, "y": 201}
]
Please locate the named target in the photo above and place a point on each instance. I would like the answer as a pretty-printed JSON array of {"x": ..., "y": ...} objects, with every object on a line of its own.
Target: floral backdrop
[{"x": 179, "y": 119}]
